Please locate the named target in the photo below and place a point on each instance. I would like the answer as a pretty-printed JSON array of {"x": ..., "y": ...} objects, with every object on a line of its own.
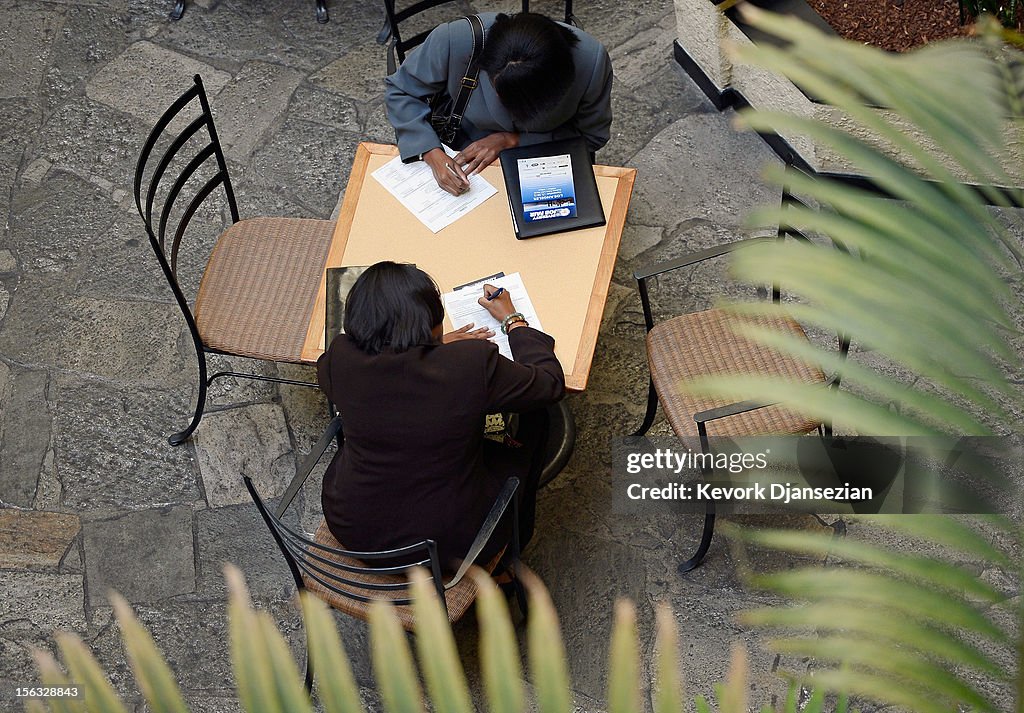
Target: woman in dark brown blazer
[{"x": 415, "y": 464}]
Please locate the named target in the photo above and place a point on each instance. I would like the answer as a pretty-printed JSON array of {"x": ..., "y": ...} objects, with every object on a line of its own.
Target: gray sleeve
[
  {"x": 594, "y": 118},
  {"x": 408, "y": 91}
]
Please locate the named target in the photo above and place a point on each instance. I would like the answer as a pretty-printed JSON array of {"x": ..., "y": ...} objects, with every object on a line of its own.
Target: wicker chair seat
[
  {"x": 458, "y": 598},
  {"x": 705, "y": 343},
  {"x": 260, "y": 285}
]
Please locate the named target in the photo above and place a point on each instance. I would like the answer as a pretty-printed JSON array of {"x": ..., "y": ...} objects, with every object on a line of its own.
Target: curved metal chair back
[
  {"x": 398, "y": 47},
  {"x": 308, "y": 557},
  {"x": 327, "y": 567},
  {"x": 339, "y": 572},
  {"x": 172, "y": 163},
  {"x": 185, "y": 150},
  {"x": 183, "y": 147}
]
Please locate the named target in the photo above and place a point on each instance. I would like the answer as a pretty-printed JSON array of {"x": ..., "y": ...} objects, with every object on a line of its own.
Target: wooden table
[{"x": 566, "y": 274}]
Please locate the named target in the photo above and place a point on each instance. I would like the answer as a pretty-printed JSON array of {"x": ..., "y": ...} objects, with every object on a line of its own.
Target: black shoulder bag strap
[{"x": 469, "y": 80}]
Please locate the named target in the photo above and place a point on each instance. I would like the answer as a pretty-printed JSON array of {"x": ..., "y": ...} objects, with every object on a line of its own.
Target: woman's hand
[
  {"x": 481, "y": 154},
  {"x": 500, "y": 306},
  {"x": 447, "y": 173},
  {"x": 467, "y": 332}
]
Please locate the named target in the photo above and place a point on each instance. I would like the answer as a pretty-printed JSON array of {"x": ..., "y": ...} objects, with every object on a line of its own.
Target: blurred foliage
[
  {"x": 1007, "y": 12},
  {"x": 268, "y": 679},
  {"x": 928, "y": 282}
]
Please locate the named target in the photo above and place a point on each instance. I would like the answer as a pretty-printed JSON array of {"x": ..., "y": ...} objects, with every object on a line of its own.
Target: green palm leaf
[
  {"x": 51, "y": 675},
  {"x": 733, "y": 693},
  {"x": 624, "y": 662},
  {"x": 289, "y": 692},
  {"x": 668, "y": 694},
  {"x": 439, "y": 659},
  {"x": 82, "y": 667},
  {"x": 499, "y": 653},
  {"x": 34, "y": 705},
  {"x": 921, "y": 282},
  {"x": 548, "y": 669},
  {"x": 336, "y": 686},
  {"x": 892, "y": 627},
  {"x": 154, "y": 676},
  {"x": 265, "y": 673},
  {"x": 393, "y": 666},
  {"x": 933, "y": 572}
]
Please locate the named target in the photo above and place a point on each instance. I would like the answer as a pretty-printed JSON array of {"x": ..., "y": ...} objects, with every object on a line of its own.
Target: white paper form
[
  {"x": 414, "y": 186},
  {"x": 462, "y": 307}
]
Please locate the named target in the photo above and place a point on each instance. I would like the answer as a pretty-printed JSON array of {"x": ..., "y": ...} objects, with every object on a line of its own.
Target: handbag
[{"x": 445, "y": 112}]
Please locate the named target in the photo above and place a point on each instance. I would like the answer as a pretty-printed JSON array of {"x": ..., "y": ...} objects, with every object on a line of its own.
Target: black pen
[{"x": 496, "y": 293}]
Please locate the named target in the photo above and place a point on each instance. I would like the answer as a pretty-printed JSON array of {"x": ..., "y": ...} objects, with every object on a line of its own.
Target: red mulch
[{"x": 895, "y": 25}]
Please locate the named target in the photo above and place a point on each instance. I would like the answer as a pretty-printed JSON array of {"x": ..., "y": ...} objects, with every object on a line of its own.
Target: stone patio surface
[{"x": 97, "y": 368}]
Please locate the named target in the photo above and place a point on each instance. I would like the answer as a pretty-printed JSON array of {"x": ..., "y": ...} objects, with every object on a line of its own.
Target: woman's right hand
[
  {"x": 498, "y": 307},
  {"x": 447, "y": 173}
]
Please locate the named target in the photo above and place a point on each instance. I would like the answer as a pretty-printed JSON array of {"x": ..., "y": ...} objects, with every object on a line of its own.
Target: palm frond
[
  {"x": 499, "y": 655},
  {"x": 921, "y": 279},
  {"x": 624, "y": 662},
  {"x": 908, "y": 630},
  {"x": 154, "y": 676},
  {"x": 336, "y": 688}
]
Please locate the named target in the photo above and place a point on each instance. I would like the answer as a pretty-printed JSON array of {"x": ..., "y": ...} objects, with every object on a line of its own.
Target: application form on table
[
  {"x": 414, "y": 186},
  {"x": 462, "y": 306}
]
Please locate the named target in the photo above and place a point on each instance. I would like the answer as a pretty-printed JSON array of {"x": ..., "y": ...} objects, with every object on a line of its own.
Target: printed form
[
  {"x": 414, "y": 186},
  {"x": 462, "y": 307}
]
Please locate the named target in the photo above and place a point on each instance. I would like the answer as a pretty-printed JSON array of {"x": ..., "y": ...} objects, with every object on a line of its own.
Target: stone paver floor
[{"x": 96, "y": 367}]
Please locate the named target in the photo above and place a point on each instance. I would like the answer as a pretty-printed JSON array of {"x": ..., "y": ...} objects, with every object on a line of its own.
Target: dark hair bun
[{"x": 529, "y": 59}]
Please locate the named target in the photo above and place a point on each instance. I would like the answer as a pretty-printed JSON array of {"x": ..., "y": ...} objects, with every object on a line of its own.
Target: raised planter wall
[{"x": 704, "y": 32}]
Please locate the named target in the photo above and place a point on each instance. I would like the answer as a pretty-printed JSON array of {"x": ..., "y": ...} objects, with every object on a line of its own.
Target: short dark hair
[
  {"x": 529, "y": 58},
  {"x": 392, "y": 306}
]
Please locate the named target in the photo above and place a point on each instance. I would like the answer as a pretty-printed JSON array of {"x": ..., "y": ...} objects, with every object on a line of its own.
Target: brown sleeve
[{"x": 533, "y": 380}]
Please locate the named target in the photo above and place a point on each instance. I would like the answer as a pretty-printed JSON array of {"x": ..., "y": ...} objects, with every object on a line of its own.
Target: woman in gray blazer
[{"x": 540, "y": 80}]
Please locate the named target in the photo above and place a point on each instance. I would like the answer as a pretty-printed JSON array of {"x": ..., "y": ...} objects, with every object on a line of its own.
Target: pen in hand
[
  {"x": 456, "y": 174},
  {"x": 495, "y": 294}
]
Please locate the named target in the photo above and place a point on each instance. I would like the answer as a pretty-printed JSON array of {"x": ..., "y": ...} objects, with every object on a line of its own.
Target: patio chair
[
  {"x": 261, "y": 279},
  {"x": 704, "y": 343},
  {"x": 398, "y": 48},
  {"x": 348, "y": 581},
  {"x": 321, "y": 10}
]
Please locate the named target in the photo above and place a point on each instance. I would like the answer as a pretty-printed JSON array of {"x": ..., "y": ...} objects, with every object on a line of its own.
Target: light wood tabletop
[{"x": 566, "y": 274}]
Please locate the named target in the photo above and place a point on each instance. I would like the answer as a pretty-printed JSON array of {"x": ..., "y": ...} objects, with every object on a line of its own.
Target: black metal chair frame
[
  {"x": 321, "y": 10},
  {"x": 398, "y": 48},
  {"x": 158, "y": 236},
  {"x": 558, "y": 453},
  {"x": 702, "y": 418},
  {"x": 306, "y": 556}
]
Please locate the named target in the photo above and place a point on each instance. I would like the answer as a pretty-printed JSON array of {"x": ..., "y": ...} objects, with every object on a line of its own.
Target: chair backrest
[
  {"x": 335, "y": 570},
  {"x": 344, "y": 572},
  {"x": 400, "y": 47},
  {"x": 189, "y": 150},
  {"x": 330, "y": 567}
]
